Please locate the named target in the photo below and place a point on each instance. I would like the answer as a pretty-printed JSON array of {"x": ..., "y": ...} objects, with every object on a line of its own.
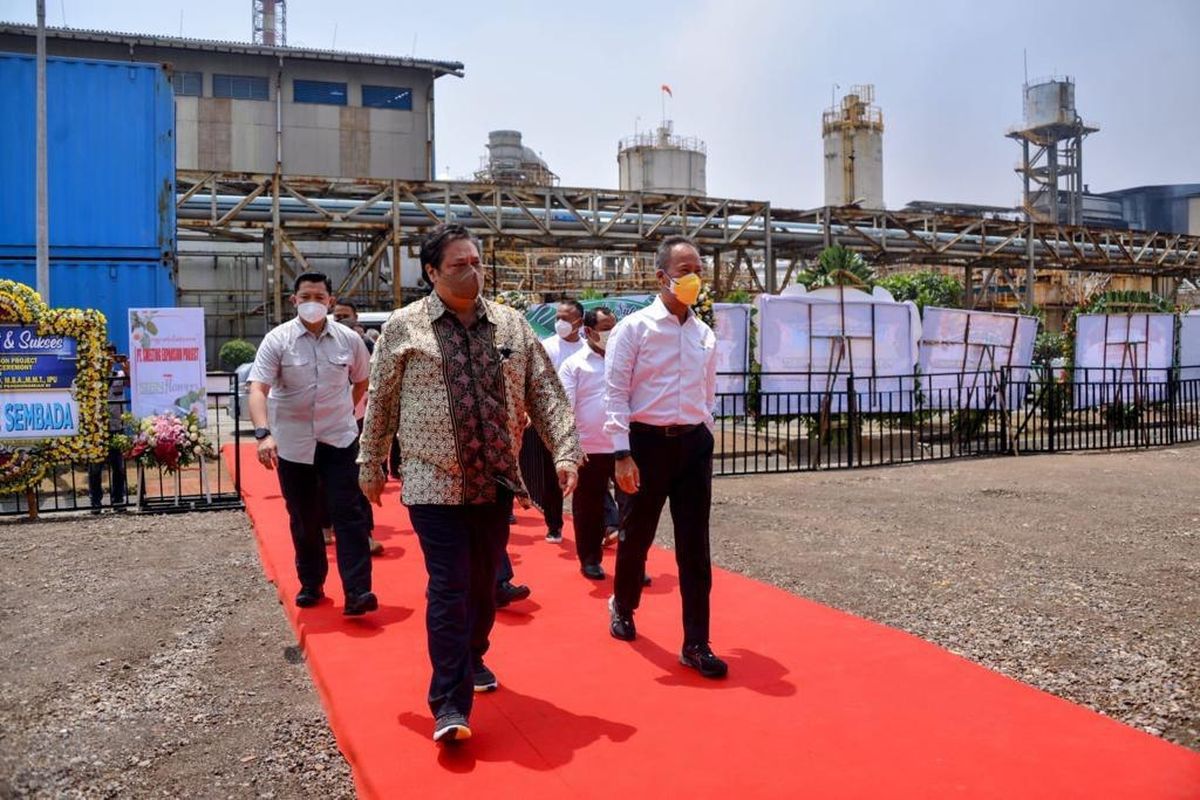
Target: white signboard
[
  {"x": 167, "y": 361},
  {"x": 38, "y": 415},
  {"x": 1189, "y": 347},
  {"x": 809, "y": 346},
  {"x": 1122, "y": 358},
  {"x": 733, "y": 356},
  {"x": 962, "y": 352}
]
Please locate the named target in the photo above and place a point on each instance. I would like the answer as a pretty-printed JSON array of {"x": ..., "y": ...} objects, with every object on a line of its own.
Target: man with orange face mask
[{"x": 661, "y": 379}]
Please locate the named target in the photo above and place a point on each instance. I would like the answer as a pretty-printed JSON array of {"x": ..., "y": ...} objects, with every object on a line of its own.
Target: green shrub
[
  {"x": 234, "y": 353},
  {"x": 925, "y": 288}
]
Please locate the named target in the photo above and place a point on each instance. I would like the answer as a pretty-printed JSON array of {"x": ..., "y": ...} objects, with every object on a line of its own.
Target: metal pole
[
  {"x": 768, "y": 253},
  {"x": 43, "y": 219}
]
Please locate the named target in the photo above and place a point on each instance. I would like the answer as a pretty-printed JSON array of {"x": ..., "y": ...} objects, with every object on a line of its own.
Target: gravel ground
[
  {"x": 147, "y": 657},
  {"x": 1076, "y": 573}
]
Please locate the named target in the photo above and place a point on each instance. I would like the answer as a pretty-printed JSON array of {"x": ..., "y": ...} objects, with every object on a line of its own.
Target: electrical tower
[{"x": 270, "y": 22}]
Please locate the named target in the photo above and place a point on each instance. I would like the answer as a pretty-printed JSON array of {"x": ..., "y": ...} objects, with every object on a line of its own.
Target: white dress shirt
[
  {"x": 582, "y": 376},
  {"x": 560, "y": 349},
  {"x": 659, "y": 372},
  {"x": 310, "y": 377}
]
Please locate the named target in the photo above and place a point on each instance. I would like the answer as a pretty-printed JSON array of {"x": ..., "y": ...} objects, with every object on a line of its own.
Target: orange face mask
[{"x": 687, "y": 288}]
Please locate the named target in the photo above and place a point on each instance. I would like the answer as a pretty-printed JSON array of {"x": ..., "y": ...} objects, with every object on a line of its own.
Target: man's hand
[
  {"x": 567, "y": 478},
  {"x": 268, "y": 452},
  {"x": 627, "y": 475},
  {"x": 371, "y": 480}
]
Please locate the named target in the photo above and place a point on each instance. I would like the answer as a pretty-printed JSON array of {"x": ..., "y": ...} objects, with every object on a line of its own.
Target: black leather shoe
[
  {"x": 507, "y": 593},
  {"x": 593, "y": 571},
  {"x": 700, "y": 658},
  {"x": 309, "y": 596},
  {"x": 357, "y": 604},
  {"x": 620, "y": 623}
]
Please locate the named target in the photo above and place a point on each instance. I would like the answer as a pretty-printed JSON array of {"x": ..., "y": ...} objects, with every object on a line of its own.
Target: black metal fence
[
  {"x": 791, "y": 422},
  {"x": 118, "y": 485}
]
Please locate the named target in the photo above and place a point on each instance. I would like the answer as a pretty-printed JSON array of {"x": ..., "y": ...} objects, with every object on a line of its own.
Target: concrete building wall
[{"x": 239, "y": 135}]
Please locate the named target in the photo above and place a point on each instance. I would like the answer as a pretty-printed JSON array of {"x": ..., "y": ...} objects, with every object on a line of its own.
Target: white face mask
[
  {"x": 602, "y": 338},
  {"x": 312, "y": 312},
  {"x": 563, "y": 328}
]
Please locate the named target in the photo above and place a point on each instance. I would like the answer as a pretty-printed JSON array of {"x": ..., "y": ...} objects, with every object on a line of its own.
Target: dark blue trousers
[
  {"x": 463, "y": 547},
  {"x": 333, "y": 478}
]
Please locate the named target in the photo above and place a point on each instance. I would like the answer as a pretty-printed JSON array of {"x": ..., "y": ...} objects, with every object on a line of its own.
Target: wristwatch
[
  {"x": 261, "y": 433},
  {"x": 619, "y": 454}
]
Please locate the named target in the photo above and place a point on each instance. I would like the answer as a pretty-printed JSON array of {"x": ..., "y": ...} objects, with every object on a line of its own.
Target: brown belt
[{"x": 669, "y": 431}]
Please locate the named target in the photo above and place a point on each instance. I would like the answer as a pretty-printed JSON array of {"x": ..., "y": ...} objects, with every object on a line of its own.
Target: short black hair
[
  {"x": 578, "y": 306},
  {"x": 348, "y": 305},
  {"x": 662, "y": 256},
  {"x": 592, "y": 318},
  {"x": 313, "y": 277},
  {"x": 433, "y": 246}
]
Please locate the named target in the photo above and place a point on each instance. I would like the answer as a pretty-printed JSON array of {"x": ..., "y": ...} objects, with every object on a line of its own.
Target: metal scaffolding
[{"x": 281, "y": 213}]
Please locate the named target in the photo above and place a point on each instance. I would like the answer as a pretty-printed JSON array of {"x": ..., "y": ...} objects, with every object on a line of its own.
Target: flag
[{"x": 667, "y": 89}]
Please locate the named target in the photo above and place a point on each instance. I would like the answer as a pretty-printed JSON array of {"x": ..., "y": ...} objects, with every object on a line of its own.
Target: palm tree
[{"x": 837, "y": 266}]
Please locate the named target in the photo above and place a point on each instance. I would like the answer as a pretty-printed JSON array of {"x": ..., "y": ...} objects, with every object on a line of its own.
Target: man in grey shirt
[{"x": 307, "y": 377}]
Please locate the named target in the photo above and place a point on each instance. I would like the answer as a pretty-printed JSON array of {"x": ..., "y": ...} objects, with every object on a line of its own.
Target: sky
[{"x": 752, "y": 77}]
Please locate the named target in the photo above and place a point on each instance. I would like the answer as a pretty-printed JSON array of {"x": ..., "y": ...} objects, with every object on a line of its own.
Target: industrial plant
[{"x": 289, "y": 158}]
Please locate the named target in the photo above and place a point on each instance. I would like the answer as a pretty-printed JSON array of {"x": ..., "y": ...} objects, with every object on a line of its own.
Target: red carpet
[{"x": 819, "y": 704}]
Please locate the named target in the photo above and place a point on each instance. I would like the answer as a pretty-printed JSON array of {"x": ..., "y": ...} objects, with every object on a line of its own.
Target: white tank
[
  {"x": 662, "y": 162},
  {"x": 1050, "y": 102},
  {"x": 852, "y": 136}
]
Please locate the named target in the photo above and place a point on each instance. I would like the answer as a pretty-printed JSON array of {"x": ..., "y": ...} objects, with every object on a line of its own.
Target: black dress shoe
[
  {"x": 620, "y": 623},
  {"x": 507, "y": 592},
  {"x": 700, "y": 658},
  {"x": 357, "y": 604},
  {"x": 309, "y": 596},
  {"x": 593, "y": 571}
]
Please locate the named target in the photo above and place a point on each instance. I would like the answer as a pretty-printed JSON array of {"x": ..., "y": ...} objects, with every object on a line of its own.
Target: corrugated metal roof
[{"x": 214, "y": 45}]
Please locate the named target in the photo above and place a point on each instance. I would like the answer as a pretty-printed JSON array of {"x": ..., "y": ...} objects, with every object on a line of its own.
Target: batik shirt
[{"x": 458, "y": 397}]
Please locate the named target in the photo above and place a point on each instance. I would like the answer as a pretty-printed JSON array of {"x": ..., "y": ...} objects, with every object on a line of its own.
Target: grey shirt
[{"x": 310, "y": 378}]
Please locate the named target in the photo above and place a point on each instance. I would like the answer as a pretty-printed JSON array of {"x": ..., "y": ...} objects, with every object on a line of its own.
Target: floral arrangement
[
  {"x": 164, "y": 440},
  {"x": 23, "y": 464},
  {"x": 515, "y": 300}
]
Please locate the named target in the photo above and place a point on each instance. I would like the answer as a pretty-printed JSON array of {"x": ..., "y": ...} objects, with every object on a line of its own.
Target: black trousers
[
  {"x": 589, "y": 505},
  {"x": 676, "y": 469},
  {"x": 116, "y": 483},
  {"x": 543, "y": 483},
  {"x": 332, "y": 477},
  {"x": 463, "y": 545}
]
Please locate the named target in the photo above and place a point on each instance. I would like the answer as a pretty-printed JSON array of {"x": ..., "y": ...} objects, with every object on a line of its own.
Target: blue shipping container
[
  {"x": 111, "y": 287},
  {"x": 110, "y": 138}
]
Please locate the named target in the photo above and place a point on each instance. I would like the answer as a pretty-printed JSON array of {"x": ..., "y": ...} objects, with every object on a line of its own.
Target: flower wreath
[{"x": 23, "y": 463}]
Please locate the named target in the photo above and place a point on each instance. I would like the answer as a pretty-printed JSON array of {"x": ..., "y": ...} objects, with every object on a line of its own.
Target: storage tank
[
  {"x": 852, "y": 134},
  {"x": 504, "y": 149},
  {"x": 1050, "y": 102},
  {"x": 662, "y": 162}
]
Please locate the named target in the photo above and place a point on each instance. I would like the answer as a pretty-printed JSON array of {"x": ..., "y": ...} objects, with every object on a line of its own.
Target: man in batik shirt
[{"x": 455, "y": 375}]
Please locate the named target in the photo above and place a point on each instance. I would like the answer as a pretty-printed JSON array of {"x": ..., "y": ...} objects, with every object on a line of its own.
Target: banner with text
[
  {"x": 167, "y": 361},
  {"x": 36, "y": 377}
]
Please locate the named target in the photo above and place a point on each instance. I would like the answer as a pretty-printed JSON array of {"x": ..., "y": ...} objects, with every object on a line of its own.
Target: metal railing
[
  {"x": 97, "y": 487},
  {"x": 825, "y": 421}
]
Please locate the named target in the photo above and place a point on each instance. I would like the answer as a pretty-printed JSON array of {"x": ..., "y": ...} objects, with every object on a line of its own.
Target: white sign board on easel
[
  {"x": 1122, "y": 358},
  {"x": 962, "y": 353},
  {"x": 733, "y": 357},
  {"x": 1189, "y": 346},
  {"x": 167, "y": 362},
  {"x": 810, "y": 344}
]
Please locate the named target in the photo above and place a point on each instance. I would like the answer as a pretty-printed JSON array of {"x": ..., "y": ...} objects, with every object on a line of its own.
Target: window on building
[
  {"x": 240, "y": 87},
  {"x": 187, "y": 84},
  {"x": 387, "y": 97},
  {"x": 330, "y": 94}
]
